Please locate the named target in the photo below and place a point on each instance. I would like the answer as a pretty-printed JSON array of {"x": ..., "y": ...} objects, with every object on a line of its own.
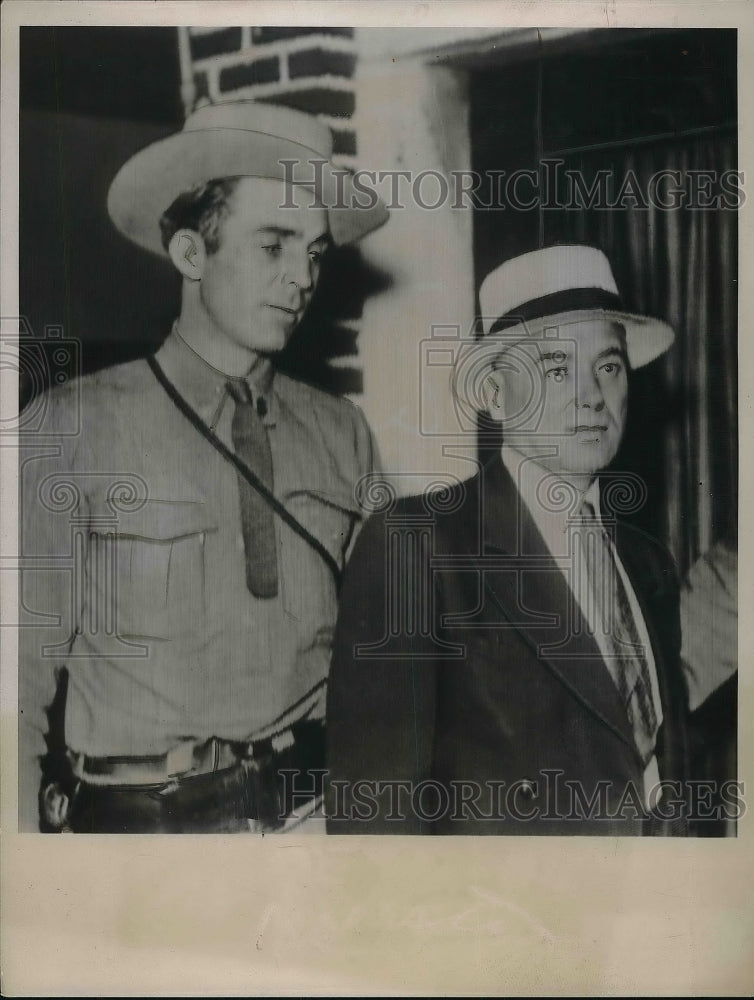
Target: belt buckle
[{"x": 180, "y": 758}]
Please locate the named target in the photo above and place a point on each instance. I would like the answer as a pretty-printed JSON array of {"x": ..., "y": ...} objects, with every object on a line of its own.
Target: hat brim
[
  {"x": 151, "y": 180},
  {"x": 646, "y": 338}
]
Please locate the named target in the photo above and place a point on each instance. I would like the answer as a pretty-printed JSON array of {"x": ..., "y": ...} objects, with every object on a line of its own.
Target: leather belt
[
  {"x": 213, "y": 786},
  {"x": 187, "y": 759}
]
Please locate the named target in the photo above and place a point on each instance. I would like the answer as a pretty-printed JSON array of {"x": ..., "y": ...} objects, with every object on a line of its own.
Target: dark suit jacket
[{"x": 461, "y": 669}]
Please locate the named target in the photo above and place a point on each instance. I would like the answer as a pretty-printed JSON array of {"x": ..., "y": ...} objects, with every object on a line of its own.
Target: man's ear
[
  {"x": 493, "y": 394},
  {"x": 188, "y": 253}
]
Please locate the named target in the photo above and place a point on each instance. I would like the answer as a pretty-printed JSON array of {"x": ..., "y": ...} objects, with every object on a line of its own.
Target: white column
[{"x": 414, "y": 117}]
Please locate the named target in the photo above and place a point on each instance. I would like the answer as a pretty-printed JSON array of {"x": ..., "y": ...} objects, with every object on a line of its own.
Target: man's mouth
[{"x": 285, "y": 309}]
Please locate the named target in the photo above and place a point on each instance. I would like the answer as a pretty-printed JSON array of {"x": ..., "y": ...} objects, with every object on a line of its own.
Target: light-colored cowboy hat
[
  {"x": 232, "y": 139},
  {"x": 558, "y": 286}
]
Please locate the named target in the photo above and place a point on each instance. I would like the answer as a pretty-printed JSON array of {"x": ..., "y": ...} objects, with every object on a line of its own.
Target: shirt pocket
[
  {"x": 308, "y": 592},
  {"x": 157, "y": 568}
]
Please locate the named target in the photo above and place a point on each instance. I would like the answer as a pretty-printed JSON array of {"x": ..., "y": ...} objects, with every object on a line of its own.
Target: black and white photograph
[{"x": 371, "y": 405}]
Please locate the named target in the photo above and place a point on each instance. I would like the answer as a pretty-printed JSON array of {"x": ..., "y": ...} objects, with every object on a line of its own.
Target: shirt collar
[
  {"x": 552, "y": 518},
  {"x": 205, "y": 387}
]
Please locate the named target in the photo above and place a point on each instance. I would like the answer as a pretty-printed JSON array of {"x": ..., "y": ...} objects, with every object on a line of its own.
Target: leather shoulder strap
[{"x": 240, "y": 466}]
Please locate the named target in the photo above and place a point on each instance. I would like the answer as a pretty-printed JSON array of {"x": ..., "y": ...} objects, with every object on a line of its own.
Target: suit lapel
[
  {"x": 670, "y": 749},
  {"x": 526, "y": 588}
]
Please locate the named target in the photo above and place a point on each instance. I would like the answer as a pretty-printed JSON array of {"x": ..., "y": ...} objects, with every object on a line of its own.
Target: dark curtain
[{"x": 679, "y": 265}]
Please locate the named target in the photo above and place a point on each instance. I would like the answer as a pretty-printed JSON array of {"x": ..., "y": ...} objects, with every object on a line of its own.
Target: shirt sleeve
[
  {"x": 709, "y": 623},
  {"x": 367, "y": 452},
  {"x": 369, "y": 466},
  {"x": 50, "y": 502}
]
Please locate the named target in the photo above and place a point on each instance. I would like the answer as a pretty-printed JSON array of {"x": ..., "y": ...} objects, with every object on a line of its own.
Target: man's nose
[
  {"x": 298, "y": 270},
  {"x": 589, "y": 395}
]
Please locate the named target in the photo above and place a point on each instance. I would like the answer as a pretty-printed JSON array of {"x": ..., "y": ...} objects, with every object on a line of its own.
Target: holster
[{"x": 58, "y": 787}]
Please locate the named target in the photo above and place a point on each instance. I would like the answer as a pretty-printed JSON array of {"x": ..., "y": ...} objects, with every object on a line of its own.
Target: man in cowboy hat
[
  {"x": 173, "y": 680},
  {"x": 515, "y": 667}
]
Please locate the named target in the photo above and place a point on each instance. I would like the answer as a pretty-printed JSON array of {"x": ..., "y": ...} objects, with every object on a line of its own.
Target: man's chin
[
  {"x": 271, "y": 340},
  {"x": 587, "y": 461},
  {"x": 571, "y": 458}
]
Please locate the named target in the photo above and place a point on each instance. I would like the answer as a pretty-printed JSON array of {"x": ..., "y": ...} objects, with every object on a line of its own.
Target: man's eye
[
  {"x": 273, "y": 249},
  {"x": 611, "y": 368},
  {"x": 315, "y": 255},
  {"x": 556, "y": 374}
]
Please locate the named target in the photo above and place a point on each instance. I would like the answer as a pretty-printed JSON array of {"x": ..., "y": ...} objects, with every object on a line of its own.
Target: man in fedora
[
  {"x": 515, "y": 668},
  {"x": 174, "y": 679}
]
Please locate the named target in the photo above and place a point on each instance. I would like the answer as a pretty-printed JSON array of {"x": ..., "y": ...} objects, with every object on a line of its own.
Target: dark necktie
[
  {"x": 257, "y": 520},
  {"x": 626, "y": 661}
]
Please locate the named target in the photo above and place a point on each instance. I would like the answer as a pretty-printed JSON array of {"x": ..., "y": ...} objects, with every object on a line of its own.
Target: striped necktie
[
  {"x": 257, "y": 520},
  {"x": 625, "y": 659}
]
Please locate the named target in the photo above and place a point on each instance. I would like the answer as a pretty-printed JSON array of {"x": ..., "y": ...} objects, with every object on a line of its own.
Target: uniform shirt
[
  {"x": 552, "y": 525},
  {"x": 134, "y": 565}
]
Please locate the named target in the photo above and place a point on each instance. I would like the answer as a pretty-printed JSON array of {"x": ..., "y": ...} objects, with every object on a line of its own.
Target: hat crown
[
  {"x": 267, "y": 119},
  {"x": 552, "y": 287},
  {"x": 236, "y": 139},
  {"x": 534, "y": 275}
]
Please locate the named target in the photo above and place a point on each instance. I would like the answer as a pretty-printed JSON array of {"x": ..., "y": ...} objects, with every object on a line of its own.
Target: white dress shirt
[{"x": 553, "y": 524}]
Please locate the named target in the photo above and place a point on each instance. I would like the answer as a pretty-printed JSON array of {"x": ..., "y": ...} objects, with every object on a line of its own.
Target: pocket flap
[{"x": 164, "y": 520}]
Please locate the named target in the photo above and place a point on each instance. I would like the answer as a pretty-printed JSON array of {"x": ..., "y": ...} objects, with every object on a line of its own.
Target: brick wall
[{"x": 310, "y": 69}]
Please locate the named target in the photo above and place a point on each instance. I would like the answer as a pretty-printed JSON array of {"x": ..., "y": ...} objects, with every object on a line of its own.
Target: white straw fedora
[
  {"x": 233, "y": 139},
  {"x": 559, "y": 285}
]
